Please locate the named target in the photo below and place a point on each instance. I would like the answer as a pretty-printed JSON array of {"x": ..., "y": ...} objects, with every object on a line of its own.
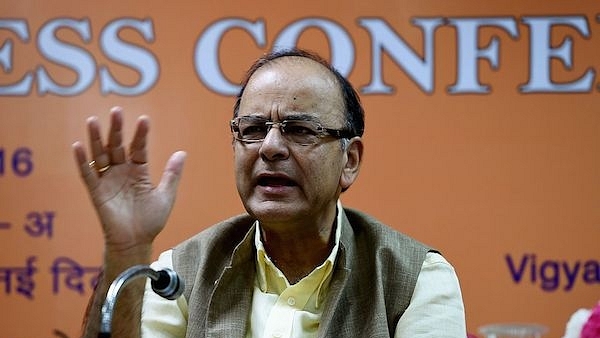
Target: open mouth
[{"x": 272, "y": 181}]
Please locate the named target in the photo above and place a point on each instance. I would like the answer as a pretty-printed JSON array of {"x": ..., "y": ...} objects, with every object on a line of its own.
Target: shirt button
[
  {"x": 277, "y": 334},
  {"x": 291, "y": 301}
]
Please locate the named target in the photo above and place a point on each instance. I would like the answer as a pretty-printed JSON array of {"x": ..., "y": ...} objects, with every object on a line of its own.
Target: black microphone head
[{"x": 168, "y": 285}]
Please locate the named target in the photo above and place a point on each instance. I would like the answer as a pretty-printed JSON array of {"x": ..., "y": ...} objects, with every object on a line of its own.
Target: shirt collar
[{"x": 272, "y": 280}]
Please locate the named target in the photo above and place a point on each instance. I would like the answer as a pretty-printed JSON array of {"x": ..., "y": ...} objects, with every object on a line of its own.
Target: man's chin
[{"x": 272, "y": 211}]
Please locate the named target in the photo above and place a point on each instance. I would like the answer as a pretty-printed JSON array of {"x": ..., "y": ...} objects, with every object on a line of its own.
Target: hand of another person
[{"x": 131, "y": 209}]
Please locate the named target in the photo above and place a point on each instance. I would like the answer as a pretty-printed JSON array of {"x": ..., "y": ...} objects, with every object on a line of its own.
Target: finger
[
  {"x": 114, "y": 148},
  {"x": 97, "y": 150},
  {"x": 80, "y": 158},
  {"x": 137, "y": 148},
  {"x": 85, "y": 170},
  {"x": 172, "y": 174}
]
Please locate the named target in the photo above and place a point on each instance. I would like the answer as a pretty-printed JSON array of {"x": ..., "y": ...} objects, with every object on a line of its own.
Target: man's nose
[{"x": 275, "y": 145}]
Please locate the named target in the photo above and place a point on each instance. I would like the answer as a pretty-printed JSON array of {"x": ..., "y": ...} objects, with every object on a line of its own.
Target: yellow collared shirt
[{"x": 281, "y": 310}]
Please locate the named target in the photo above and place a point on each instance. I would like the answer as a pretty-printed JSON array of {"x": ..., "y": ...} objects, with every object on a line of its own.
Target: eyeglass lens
[{"x": 301, "y": 132}]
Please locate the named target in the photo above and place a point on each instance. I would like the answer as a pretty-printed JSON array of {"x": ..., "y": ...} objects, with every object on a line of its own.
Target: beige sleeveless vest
[{"x": 371, "y": 287}]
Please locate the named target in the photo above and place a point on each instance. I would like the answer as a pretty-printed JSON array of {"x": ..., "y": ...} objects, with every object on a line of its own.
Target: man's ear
[{"x": 354, "y": 153}]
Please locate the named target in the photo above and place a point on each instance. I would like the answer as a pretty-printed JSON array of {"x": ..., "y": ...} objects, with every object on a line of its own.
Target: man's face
[{"x": 281, "y": 182}]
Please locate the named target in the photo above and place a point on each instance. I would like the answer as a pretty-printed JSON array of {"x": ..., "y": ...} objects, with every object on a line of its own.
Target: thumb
[{"x": 172, "y": 174}]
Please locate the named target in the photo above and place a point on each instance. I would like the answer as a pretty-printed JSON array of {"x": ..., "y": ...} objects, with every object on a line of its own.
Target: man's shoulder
[
  {"x": 227, "y": 232},
  {"x": 366, "y": 226}
]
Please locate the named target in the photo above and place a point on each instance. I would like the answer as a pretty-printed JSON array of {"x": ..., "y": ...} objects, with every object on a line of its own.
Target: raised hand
[{"x": 131, "y": 209}]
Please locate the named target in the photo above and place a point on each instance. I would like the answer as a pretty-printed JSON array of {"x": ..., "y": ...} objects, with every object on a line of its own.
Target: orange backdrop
[{"x": 482, "y": 138}]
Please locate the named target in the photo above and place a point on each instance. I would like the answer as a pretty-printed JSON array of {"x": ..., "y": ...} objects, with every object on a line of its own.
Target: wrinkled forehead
[
  {"x": 299, "y": 69},
  {"x": 293, "y": 83}
]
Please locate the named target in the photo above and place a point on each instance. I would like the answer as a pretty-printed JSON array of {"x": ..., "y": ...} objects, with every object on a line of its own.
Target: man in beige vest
[{"x": 298, "y": 264}]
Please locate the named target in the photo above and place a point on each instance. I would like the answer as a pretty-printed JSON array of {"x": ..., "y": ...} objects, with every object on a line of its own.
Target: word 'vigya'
[{"x": 383, "y": 39}]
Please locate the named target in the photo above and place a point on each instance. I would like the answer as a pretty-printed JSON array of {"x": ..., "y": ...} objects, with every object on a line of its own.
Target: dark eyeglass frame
[{"x": 317, "y": 128}]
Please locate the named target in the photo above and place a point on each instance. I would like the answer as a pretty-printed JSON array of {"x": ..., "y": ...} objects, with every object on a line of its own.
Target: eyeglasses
[{"x": 250, "y": 129}]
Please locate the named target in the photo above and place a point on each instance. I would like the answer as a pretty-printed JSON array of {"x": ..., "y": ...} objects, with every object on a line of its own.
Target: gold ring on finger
[{"x": 103, "y": 169}]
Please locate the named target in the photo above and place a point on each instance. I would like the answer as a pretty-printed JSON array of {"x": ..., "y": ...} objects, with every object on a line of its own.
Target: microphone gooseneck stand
[{"x": 166, "y": 283}]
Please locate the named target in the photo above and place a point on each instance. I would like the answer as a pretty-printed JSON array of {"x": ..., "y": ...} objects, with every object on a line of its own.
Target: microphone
[
  {"x": 168, "y": 284},
  {"x": 165, "y": 283}
]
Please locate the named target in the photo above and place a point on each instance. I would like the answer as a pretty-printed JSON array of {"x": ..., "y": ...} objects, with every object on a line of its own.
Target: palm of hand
[{"x": 131, "y": 209}]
